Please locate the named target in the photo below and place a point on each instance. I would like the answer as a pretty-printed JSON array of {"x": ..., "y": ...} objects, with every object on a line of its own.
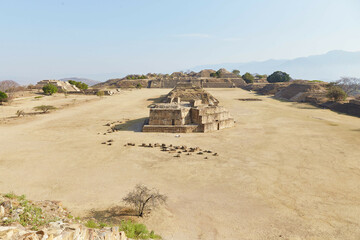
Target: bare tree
[
  {"x": 142, "y": 199},
  {"x": 350, "y": 85},
  {"x": 8, "y": 86}
]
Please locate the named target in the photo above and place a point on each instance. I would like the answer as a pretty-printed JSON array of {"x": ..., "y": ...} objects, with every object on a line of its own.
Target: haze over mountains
[{"x": 327, "y": 67}]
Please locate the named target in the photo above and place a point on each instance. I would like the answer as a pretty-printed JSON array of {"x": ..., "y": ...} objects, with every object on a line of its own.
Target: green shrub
[
  {"x": 44, "y": 108},
  {"x": 100, "y": 93},
  {"x": 10, "y": 195},
  {"x": 3, "y": 97},
  {"x": 336, "y": 94},
  {"x": 216, "y": 74},
  {"x": 137, "y": 230},
  {"x": 260, "y": 76},
  {"x": 49, "y": 89},
  {"x": 316, "y": 81},
  {"x": 278, "y": 76},
  {"x": 138, "y": 86},
  {"x": 248, "y": 78},
  {"x": 91, "y": 224}
]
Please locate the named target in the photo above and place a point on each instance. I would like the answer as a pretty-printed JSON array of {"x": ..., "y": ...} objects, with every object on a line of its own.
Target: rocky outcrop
[
  {"x": 41, "y": 220},
  {"x": 61, "y": 231}
]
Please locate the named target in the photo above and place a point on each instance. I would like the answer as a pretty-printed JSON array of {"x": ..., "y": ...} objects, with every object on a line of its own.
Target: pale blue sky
[{"x": 98, "y": 39}]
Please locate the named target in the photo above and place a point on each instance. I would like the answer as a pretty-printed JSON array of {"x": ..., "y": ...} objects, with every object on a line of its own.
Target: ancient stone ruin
[
  {"x": 188, "y": 108},
  {"x": 62, "y": 86}
]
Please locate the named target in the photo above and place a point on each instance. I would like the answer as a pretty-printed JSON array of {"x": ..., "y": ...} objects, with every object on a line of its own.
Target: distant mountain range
[
  {"x": 327, "y": 67},
  {"x": 87, "y": 81}
]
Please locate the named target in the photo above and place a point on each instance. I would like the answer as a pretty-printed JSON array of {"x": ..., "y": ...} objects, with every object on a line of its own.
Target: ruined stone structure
[
  {"x": 62, "y": 86},
  {"x": 204, "y": 79},
  {"x": 188, "y": 109}
]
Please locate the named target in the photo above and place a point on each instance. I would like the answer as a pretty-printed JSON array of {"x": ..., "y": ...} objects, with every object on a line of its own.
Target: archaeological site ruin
[{"x": 188, "y": 108}]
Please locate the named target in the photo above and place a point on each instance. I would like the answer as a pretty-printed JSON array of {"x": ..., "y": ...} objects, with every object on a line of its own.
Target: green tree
[
  {"x": 278, "y": 76},
  {"x": 138, "y": 86},
  {"x": 3, "y": 97},
  {"x": 248, "y": 77},
  {"x": 336, "y": 93},
  {"x": 236, "y": 72},
  {"x": 50, "y": 89}
]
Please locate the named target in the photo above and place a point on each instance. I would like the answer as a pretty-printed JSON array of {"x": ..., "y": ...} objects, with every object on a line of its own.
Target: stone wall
[
  {"x": 170, "y": 129},
  {"x": 163, "y": 116}
]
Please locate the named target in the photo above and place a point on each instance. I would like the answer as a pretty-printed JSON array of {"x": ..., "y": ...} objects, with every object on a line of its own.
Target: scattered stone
[
  {"x": 111, "y": 140},
  {"x": 178, "y": 155},
  {"x": 103, "y": 143},
  {"x": 215, "y": 154},
  {"x": 206, "y": 158},
  {"x": 2, "y": 211},
  {"x": 7, "y": 205},
  {"x": 200, "y": 153}
]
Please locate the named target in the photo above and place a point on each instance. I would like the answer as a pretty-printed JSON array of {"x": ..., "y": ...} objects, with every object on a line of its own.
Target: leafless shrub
[
  {"x": 20, "y": 113},
  {"x": 142, "y": 199},
  {"x": 8, "y": 86},
  {"x": 350, "y": 85}
]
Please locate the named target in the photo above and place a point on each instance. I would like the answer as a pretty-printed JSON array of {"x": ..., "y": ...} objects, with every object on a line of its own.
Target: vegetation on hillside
[
  {"x": 79, "y": 85},
  {"x": 133, "y": 77},
  {"x": 216, "y": 74},
  {"x": 336, "y": 93}
]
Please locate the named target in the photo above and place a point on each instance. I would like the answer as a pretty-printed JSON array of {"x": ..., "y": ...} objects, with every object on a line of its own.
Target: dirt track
[{"x": 285, "y": 171}]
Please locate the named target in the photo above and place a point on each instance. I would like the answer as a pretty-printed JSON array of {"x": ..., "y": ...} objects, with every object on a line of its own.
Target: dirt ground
[{"x": 285, "y": 171}]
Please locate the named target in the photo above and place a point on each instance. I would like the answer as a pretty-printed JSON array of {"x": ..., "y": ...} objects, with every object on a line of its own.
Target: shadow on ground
[
  {"x": 158, "y": 99},
  {"x": 134, "y": 125},
  {"x": 112, "y": 215}
]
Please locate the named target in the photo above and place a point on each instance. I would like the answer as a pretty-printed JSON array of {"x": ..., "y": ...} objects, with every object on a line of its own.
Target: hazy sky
[{"x": 42, "y": 39}]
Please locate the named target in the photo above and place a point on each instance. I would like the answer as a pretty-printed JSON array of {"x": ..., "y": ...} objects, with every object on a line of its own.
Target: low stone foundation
[{"x": 170, "y": 128}]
